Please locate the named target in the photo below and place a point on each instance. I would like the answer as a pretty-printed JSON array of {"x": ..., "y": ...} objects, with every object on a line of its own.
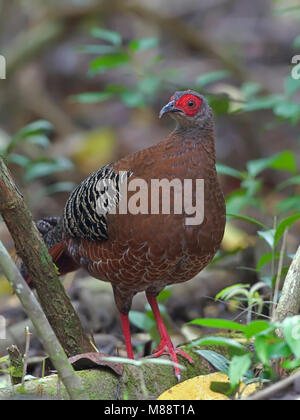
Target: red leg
[
  {"x": 166, "y": 346},
  {"x": 126, "y": 332}
]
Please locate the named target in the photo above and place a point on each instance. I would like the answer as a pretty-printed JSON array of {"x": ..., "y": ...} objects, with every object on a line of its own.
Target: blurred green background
[{"x": 85, "y": 83}]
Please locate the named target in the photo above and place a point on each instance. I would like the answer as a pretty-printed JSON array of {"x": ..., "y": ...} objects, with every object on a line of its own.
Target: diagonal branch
[{"x": 31, "y": 248}]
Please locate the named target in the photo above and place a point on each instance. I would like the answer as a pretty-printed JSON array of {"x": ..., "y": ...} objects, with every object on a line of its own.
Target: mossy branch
[
  {"x": 145, "y": 382},
  {"x": 72, "y": 382},
  {"x": 31, "y": 248}
]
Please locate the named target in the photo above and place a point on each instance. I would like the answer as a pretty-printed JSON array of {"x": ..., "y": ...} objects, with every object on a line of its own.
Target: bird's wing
[{"x": 85, "y": 214}]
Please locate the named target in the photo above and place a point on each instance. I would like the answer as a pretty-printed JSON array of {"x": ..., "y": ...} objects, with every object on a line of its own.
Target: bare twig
[
  {"x": 26, "y": 353},
  {"x": 42, "y": 326},
  {"x": 278, "y": 277}
]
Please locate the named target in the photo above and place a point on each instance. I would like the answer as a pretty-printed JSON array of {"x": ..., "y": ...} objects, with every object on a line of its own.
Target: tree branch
[
  {"x": 31, "y": 248},
  {"x": 52, "y": 346},
  {"x": 289, "y": 302}
]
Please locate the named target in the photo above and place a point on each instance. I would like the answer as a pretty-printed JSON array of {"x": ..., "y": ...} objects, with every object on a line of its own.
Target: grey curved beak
[{"x": 170, "y": 107}]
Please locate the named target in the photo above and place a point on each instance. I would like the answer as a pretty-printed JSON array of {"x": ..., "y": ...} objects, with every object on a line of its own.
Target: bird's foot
[{"x": 169, "y": 349}]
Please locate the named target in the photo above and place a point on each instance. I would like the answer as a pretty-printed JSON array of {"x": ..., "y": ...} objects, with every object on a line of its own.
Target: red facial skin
[{"x": 189, "y": 103}]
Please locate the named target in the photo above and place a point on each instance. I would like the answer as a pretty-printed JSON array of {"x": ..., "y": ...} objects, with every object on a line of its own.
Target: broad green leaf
[
  {"x": 289, "y": 203},
  {"x": 279, "y": 350},
  {"x": 291, "y": 85},
  {"x": 141, "y": 320},
  {"x": 288, "y": 109},
  {"x": 217, "y": 360},
  {"x": 90, "y": 97},
  {"x": 143, "y": 44},
  {"x": 264, "y": 102},
  {"x": 294, "y": 180},
  {"x": 109, "y": 61},
  {"x": 18, "y": 159},
  {"x": 256, "y": 327},
  {"x": 59, "y": 187},
  {"x": 261, "y": 346},
  {"x": 149, "y": 85},
  {"x": 217, "y": 341},
  {"x": 238, "y": 367},
  {"x": 265, "y": 258},
  {"x": 36, "y": 128},
  {"x": 218, "y": 323},
  {"x": 107, "y": 35},
  {"x": 226, "y": 170},
  {"x": 46, "y": 167},
  {"x": 132, "y": 99},
  {"x": 229, "y": 289},
  {"x": 296, "y": 42},
  {"x": 250, "y": 89},
  {"x": 268, "y": 236},
  {"x": 247, "y": 219},
  {"x": 285, "y": 224},
  {"x": 212, "y": 77},
  {"x": 97, "y": 49},
  {"x": 284, "y": 161}
]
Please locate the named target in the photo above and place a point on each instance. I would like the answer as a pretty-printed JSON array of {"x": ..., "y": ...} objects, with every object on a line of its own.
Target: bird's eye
[{"x": 191, "y": 104}]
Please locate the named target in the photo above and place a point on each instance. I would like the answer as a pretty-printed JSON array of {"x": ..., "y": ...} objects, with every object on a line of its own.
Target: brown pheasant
[{"x": 147, "y": 248}]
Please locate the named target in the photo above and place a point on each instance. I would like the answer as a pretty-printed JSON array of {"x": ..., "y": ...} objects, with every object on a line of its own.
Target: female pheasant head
[{"x": 189, "y": 109}]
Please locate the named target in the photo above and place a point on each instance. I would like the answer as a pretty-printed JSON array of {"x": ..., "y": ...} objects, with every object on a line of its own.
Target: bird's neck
[{"x": 194, "y": 140}]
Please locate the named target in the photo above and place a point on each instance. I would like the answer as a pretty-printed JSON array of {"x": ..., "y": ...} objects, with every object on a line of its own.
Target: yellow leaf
[
  {"x": 198, "y": 388},
  {"x": 5, "y": 287},
  {"x": 95, "y": 149},
  {"x": 235, "y": 238}
]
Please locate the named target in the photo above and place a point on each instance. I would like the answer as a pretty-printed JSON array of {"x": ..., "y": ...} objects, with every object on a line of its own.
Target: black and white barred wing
[{"x": 85, "y": 214}]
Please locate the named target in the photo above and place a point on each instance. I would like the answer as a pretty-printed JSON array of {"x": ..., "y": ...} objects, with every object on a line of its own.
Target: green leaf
[
  {"x": 246, "y": 218},
  {"x": 97, "y": 49},
  {"x": 250, "y": 89},
  {"x": 261, "y": 346},
  {"x": 18, "y": 159},
  {"x": 132, "y": 99},
  {"x": 291, "y": 364},
  {"x": 109, "y": 61},
  {"x": 143, "y": 44},
  {"x": 107, "y": 35},
  {"x": 264, "y": 102},
  {"x": 268, "y": 236},
  {"x": 46, "y": 167},
  {"x": 296, "y": 42},
  {"x": 289, "y": 203},
  {"x": 218, "y": 361},
  {"x": 90, "y": 97},
  {"x": 294, "y": 180},
  {"x": 141, "y": 320},
  {"x": 265, "y": 258},
  {"x": 285, "y": 224},
  {"x": 287, "y": 109},
  {"x": 211, "y": 77},
  {"x": 36, "y": 128},
  {"x": 164, "y": 295},
  {"x": 229, "y": 289},
  {"x": 291, "y": 331},
  {"x": 256, "y": 327},
  {"x": 59, "y": 187},
  {"x": 226, "y": 170},
  {"x": 218, "y": 323},
  {"x": 238, "y": 367},
  {"x": 217, "y": 341},
  {"x": 284, "y": 161},
  {"x": 291, "y": 85},
  {"x": 149, "y": 85}
]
